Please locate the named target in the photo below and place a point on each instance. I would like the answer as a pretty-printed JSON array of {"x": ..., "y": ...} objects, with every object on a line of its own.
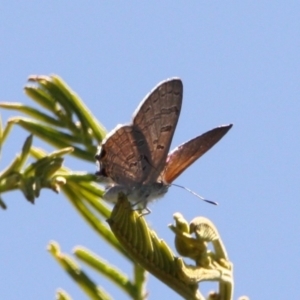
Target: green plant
[{"x": 67, "y": 124}]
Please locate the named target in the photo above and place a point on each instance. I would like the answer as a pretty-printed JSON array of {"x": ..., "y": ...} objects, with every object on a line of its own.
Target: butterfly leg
[{"x": 143, "y": 210}]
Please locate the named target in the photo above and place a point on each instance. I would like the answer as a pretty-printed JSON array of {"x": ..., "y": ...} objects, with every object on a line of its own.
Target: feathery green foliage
[{"x": 63, "y": 121}]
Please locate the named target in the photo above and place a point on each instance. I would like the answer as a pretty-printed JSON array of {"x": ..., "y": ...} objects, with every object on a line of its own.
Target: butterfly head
[{"x": 102, "y": 172}]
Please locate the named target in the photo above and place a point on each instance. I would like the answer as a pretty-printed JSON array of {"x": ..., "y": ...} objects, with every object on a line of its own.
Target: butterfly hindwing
[{"x": 120, "y": 156}]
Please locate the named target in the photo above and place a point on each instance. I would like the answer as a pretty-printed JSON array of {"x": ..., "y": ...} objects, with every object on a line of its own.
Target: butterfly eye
[
  {"x": 101, "y": 154},
  {"x": 102, "y": 172}
]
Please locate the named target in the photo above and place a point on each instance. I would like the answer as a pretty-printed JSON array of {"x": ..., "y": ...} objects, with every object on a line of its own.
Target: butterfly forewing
[
  {"x": 184, "y": 155},
  {"x": 156, "y": 118}
]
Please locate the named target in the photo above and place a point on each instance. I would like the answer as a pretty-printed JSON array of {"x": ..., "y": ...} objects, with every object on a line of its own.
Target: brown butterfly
[{"x": 134, "y": 158}]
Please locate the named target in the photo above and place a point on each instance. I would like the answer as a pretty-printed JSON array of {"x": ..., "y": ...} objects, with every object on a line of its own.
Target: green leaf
[
  {"x": 109, "y": 271},
  {"x": 85, "y": 283}
]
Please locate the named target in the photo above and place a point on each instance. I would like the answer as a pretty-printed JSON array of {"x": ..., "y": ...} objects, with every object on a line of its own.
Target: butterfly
[{"x": 134, "y": 159}]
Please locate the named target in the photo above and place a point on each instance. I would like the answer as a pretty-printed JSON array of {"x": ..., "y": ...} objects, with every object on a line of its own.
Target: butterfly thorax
[{"x": 140, "y": 193}]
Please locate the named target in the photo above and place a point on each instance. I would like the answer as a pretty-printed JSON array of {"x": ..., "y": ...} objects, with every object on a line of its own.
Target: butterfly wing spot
[
  {"x": 130, "y": 157},
  {"x": 172, "y": 109},
  {"x": 166, "y": 128},
  {"x": 146, "y": 109}
]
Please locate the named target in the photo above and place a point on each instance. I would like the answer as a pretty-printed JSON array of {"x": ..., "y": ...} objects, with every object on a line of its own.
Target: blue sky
[{"x": 240, "y": 64}]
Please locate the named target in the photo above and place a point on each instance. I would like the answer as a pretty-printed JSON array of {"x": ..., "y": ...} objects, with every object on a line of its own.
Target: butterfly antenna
[{"x": 192, "y": 192}]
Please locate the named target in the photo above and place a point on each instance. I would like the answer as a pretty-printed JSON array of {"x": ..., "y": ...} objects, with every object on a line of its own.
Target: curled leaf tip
[
  {"x": 192, "y": 241},
  {"x": 53, "y": 247}
]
